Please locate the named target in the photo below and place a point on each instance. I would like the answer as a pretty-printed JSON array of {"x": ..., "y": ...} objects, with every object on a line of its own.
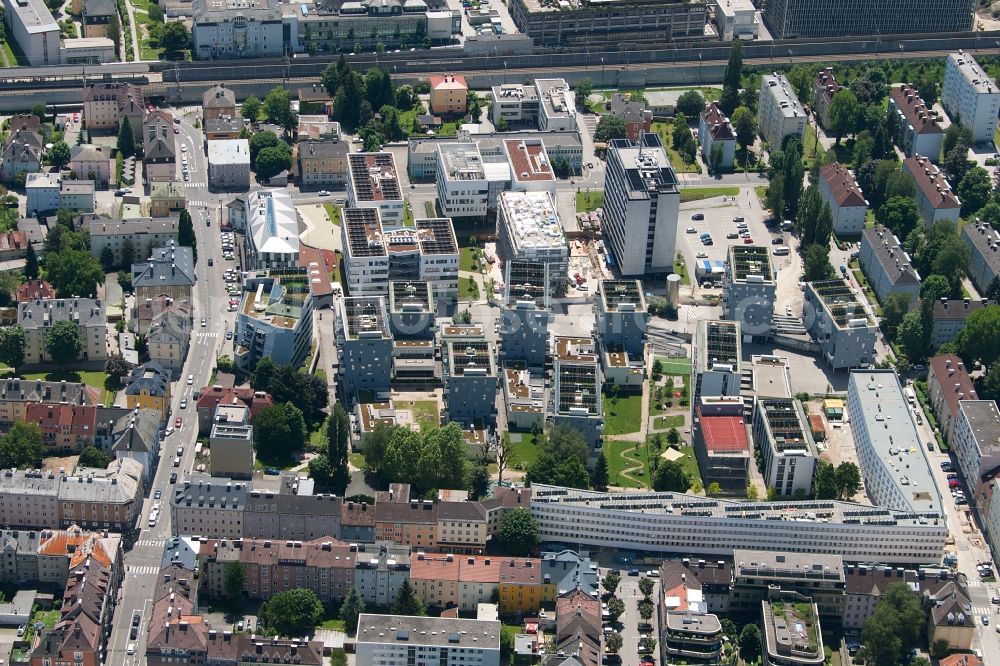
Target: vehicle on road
[
  {"x": 177, "y": 422},
  {"x": 748, "y": 241},
  {"x": 781, "y": 251},
  {"x": 184, "y": 403},
  {"x": 130, "y": 649},
  {"x": 204, "y": 323},
  {"x": 168, "y": 432},
  {"x": 732, "y": 235},
  {"x": 211, "y": 262},
  {"x": 229, "y": 335},
  {"x": 20, "y": 630},
  {"x": 701, "y": 255},
  {"x": 76, "y": 117},
  {"x": 191, "y": 378},
  {"x": 177, "y": 462},
  {"x": 184, "y": 148},
  {"x": 692, "y": 230},
  {"x": 177, "y": 130},
  {"x": 778, "y": 241},
  {"x": 272, "y": 471},
  {"x": 323, "y": 193},
  {"x": 173, "y": 477},
  {"x": 985, "y": 619},
  {"x": 698, "y": 216},
  {"x": 157, "y": 494}
]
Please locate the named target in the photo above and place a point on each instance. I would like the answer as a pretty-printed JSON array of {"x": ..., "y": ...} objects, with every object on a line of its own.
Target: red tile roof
[
  {"x": 450, "y": 81},
  {"x": 907, "y": 100},
  {"x": 842, "y": 185},
  {"x": 212, "y": 396},
  {"x": 724, "y": 434},
  {"x": 940, "y": 367},
  {"x": 13, "y": 240},
  {"x": 33, "y": 290},
  {"x": 80, "y": 420},
  {"x": 931, "y": 182},
  {"x": 717, "y": 123}
]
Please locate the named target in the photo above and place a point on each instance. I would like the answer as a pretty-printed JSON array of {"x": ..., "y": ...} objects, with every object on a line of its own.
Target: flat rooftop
[
  {"x": 647, "y": 167},
  {"x": 373, "y": 413},
  {"x": 462, "y": 331},
  {"x": 724, "y": 435},
  {"x": 515, "y": 91},
  {"x": 470, "y": 358},
  {"x": 528, "y": 160},
  {"x": 449, "y": 633},
  {"x": 556, "y": 97},
  {"x": 280, "y": 304},
  {"x": 621, "y": 296},
  {"x": 751, "y": 264},
  {"x": 461, "y": 161},
  {"x": 973, "y": 73},
  {"x": 527, "y": 281},
  {"x": 410, "y": 297},
  {"x": 365, "y": 317},
  {"x": 783, "y": 94},
  {"x": 373, "y": 176},
  {"x": 34, "y": 14},
  {"x": 771, "y": 376},
  {"x": 840, "y": 302},
  {"x": 789, "y": 566},
  {"x": 364, "y": 232},
  {"x": 579, "y": 350},
  {"x": 719, "y": 343},
  {"x": 984, "y": 418},
  {"x": 787, "y": 425},
  {"x": 693, "y": 623},
  {"x": 436, "y": 235},
  {"x": 532, "y": 221},
  {"x": 792, "y": 631},
  {"x": 525, "y": 392},
  {"x": 577, "y": 389}
]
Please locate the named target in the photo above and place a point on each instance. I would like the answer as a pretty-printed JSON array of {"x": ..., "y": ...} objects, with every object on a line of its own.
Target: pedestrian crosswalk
[
  {"x": 142, "y": 570},
  {"x": 982, "y": 610},
  {"x": 206, "y": 335},
  {"x": 149, "y": 543}
]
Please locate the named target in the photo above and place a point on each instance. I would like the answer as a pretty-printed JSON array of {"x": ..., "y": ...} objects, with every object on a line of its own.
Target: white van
[{"x": 780, "y": 251}]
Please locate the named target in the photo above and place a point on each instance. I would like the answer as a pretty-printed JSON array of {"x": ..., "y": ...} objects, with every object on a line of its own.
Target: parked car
[
  {"x": 698, "y": 216},
  {"x": 778, "y": 241}
]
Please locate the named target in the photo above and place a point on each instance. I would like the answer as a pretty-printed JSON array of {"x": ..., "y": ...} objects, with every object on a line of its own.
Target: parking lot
[{"x": 629, "y": 622}]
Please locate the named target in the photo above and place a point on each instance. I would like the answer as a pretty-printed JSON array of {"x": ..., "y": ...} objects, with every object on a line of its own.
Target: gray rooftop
[
  {"x": 984, "y": 418},
  {"x": 34, "y": 14},
  {"x": 986, "y": 240},
  {"x": 229, "y": 151},
  {"x": 102, "y": 226},
  {"x": 790, "y": 566},
  {"x": 890, "y": 253},
  {"x": 436, "y": 631},
  {"x": 169, "y": 266},
  {"x": 220, "y": 11},
  {"x": 462, "y": 161},
  {"x": 782, "y": 91},
  {"x": 214, "y": 492},
  {"x": 39, "y": 314}
]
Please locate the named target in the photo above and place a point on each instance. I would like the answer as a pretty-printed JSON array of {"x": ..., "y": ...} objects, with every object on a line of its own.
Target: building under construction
[
  {"x": 840, "y": 324},
  {"x": 785, "y": 440},
  {"x": 575, "y": 397},
  {"x": 750, "y": 290}
]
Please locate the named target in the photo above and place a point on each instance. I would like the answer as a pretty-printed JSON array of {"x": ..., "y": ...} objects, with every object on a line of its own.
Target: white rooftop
[
  {"x": 783, "y": 94},
  {"x": 532, "y": 220},
  {"x": 731, "y": 7},
  {"x": 229, "y": 151},
  {"x": 273, "y": 222},
  {"x": 973, "y": 73}
]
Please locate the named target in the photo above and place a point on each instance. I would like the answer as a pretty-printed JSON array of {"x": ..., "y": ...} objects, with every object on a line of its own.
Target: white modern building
[
  {"x": 693, "y": 525},
  {"x": 641, "y": 204},
  {"x": 751, "y": 287},
  {"x": 229, "y": 164},
  {"x": 779, "y": 113},
  {"x": 557, "y": 105},
  {"x": 236, "y": 29},
  {"x": 272, "y": 230},
  {"x": 87, "y": 51},
  {"x": 847, "y": 202},
  {"x": 42, "y": 190},
  {"x": 970, "y": 96},
  {"x": 394, "y": 640},
  {"x": 274, "y": 319},
  {"x": 976, "y": 440},
  {"x": 892, "y": 457},
  {"x": 462, "y": 187},
  {"x": 528, "y": 229},
  {"x": 782, "y": 432},
  {"x": 736, "y": 19},
  {"x": 373, "y": 183},
  {"x": 30, "y": 24},
  {"x": 515, "y": 104}
]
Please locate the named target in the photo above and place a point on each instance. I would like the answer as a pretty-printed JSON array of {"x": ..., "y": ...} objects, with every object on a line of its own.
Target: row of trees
[
  {"x": 437, "y": 458},
  {"x": 330, "y": 469}
]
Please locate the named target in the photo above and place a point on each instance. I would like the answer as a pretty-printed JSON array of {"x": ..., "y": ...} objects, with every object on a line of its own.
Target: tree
[
  {"x": 825, "y": 485},
  {"x": 670, "y": 477},
  {"x": 583, "y": 89},
  {"x": 346, "y": 101},
  {"x": 277, "y": 105},
  {"x": 690, "y": 103},
  {"x": 609, "y": 127},
  {"x": 870, "y": 88},
  {"x": 610, "y": 583},
  {"x": 843, "y": 113},
  {"x": 910, "y": 336},
  {"x": 792, "y": 178},
  {"x": 479, "y": 482},
  {"x": 279, "y": 431},
  {"x": 156, "y": 13},
  {"x": 613, "y": 642},
  {"x": 895, "y": 306},
  {"x": 809, "y": 207},
  {"x": 974, "y": 190},
  {"x": 989, "y": 384},
  {"x": 31, "y": 264},
  {"x": 128, "y": 253},
  {"x": 956, "y": 134},
  {"x": 749, "y": 643},
  {"x": 116, "y": 366},
  {"x": 126, "y": 140},
  {"x": 272, "y": 161},
  {"x": 390, "y": 123},
  {"x": 371, "y": 136},
  {"x": 900, "y": 215},
  {"x": 927, "y": 86},
  {"x": 91, "y": 456},
  {"x": 21, "y": 446},
  {"x": 260, "y": 378},
  {"x": 174, "y": 37},
  {"x": 646, "y": 586},
  {"x": 13, "y": 345},
  {"x": 957, "y": 163},
  {"x": 816, "y": 263},
  {"x": 745, "y": 125},
  {"x": 234, "y": 579},
  {"x": 63, "y": 342},
  {"x": 262, "y": 140},
  {"x": 185, "y": 230},
  {"x": 646, "y": 610},
  {"x": 407, "y": 602},
  {"x": 519, "y": 532},
  {"x": 657, "y": 369},
  {"x": 979, "y": 341},
  {"x": 292, "y": 612},
  {"x": 599, "y": 475},
  {"x": 338, "y": 449},
  {"x": 251, "y": 108},
  {"x": 351, "y": 609},
  {"x": 895, "y": 626},
  {"x": 752, "y": 493},
  {"x": 549, "y": 469},
  {"x": 731, "y": 79},
  {"x": 616, "y": 607},
  {"x": 58, "y": 154},
  {"x": 374, "y": 444},
  {"x": 320, "y": 470},
  {"x": 108, "y": 259},
  {"x": 72, "y": 271},
  {"x": 952, "y": 261},
  {"x": 848, "y": 480}
]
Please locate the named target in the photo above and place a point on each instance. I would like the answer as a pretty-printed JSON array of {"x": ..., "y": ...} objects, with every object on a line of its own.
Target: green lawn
[
  {"x": 810, "y": 144},
  {"x": 623, "y": 415},
  {"x": 427, "y": 413},
  {"x": 589, "y": 200},
  {"x": 675, "y": 366},
  {"x": 523, "y": 452},
  {"x": 10, "y": 60},
  {"x": 95, "y": 378},
  {"x": 449, "y": 128},
  {"x": 467, "y": 259},
  {"x": 429, "y": 209},
  {"x": 357, "y": 459},
  {"x": 699, "y": 193},
  {"x": 690, "y": 465},
  {"x": 680, "y": 267},
  {"x": 622, "y": 455},
  {"x": 332, "y": 212},
  {"x": 680, "y": 166},
  {"x": 675, "y": 421},
  {"x": 332, "y": 624},
  {"x": 468, "y": 289}
]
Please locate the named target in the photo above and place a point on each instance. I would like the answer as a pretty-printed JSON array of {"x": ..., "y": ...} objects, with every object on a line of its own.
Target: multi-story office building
[
  {"x": 524, "y": 397},
  {"x": 949, "y": 316},
  {"x": 641, "y": 203},
  {"x": 771, "y": 376},
  {"x": 751, "y": 283},
  {"x": 373, "y": 184},
  {"x": 790, "y": 19},
  {"x": 736, "y": 19},
  {"x": 782, "y": 432},
  {"x": 30, "y": 24},
  {"x": 692, "y": 525},
  {"x": 717, "y": 359},
  {"x": 970, "y": 96},
  {"x": 209, "y": 505},
  {"x": 575, "y": 396},
  {"x": 516, "y": 104},
  {"x": 717, "y": 135},
  {"x": 587, "y": 23},
  {"x": 385, "y": 640},
  {"x": 621, "y": 319},
  {"x": 557, "y": 106},
  {"x": 234, "y": 29},
  {"x": 274, "y": 319},
  {"x": 935, "y": 199},
  {"x": 757, "y": 574},
  {"x": 976, "y": 440},
  {"x": 779, "y": 112},
  {"x": 887, "y": 265},
  {"x": 469, "y": 374},
  {"x": 411, "y": 310},
  {"x": 839, "y": 324},
  {"x": 229, "y": 164},
  {"x": 321, "y": 163},
  {"x": 792, "y": 635},
  {"x": 528, "y": 229},
  {"x": 461, "y": 181},
  {"x": 891, "y": 455},
  {"x": 847, "y": 202},
  {"x": 364, "y": 346},
  {"x": 948, "y": 383},
  {"x": 526, "y": 314},
  {"x": 824, "y": 87},
  {"x": 983, "y": 242},
  {"x": 421, "y": 152},
  {"x": 37, "y": 317},
  {"x": 721, "y": 442},
  {"x": 141, "y": 234},
  {"x": 231, "y": 442},
  {"x": 272, "y": 230},
  {"x": 530, "y": 165},
  {"x": 919, "y": 132}
]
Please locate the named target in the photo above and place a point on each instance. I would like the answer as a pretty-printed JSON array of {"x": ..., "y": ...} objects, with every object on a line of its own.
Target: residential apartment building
[
  {"x": 886, "y": 265},
  {"x": 166, "y": 198},
  {"x": 218, "y": 102},
  {"x": 751, "y": 285},
  {"x": 231, "y": 442},
  {"x": 106, "y": 105},
  {"x": 893, "y": 461},
  {"x": 34, "y": 290},
  {"x": 384, "y": 640},
  {"x": 782, "y": 432},
  {"x": 847, "y": 202},
  {"x": 159, "y": 152},
  {"x": 462, "y": 187},
  {"x": 824, "y": 87},
  {"x": 229, "y": 164},
  {"x": 976, "y": 441},
  {"x": 274, "y": 319},
  {"x": 949, "y": 318},
  {"x": 656, "y": 522},
  {"x": 449, "y": 95},
  {"x": 779, "y": 113},
  {"x": 641, "y": 204},
  {"x": 839, "y": 324},
  {"x": 77, "y": 195},
  {"x": 409, "y": 522},
  {"x": 22, "y": 153},
  {"x": 228, "y": 29},
  {"x": 37, "y": 317},
  {"x": 42, "y": 192},
  {"x": 557, "y": 105},
  {"x": 621, "y": 317},
  {"x": 523, "y": 397},
  {"x": 756, "y": 575},
  {"x": 148, "y": 387},
  {"x": 575, "y": 395},
  {"x": 637, "y": 117},
  {"x": 152, "y": 310},
  {"x": 792, "y": 635},
  {"x": 528, "y": 229},
  {"x": 718, "y": 139},
  {"x": 970, "y": 96},
  {"x": 373, "y": 183},
  {"x": 213, "y": 396},
  {"x": 322, "y": 163},
  {"x": 919, "y": 132},
  {"x": 142, "y": 235},
  {"x": 288, "y": 509},
  {"x": 470, "y": 378},
  {"x": 97, "y": 17},
  {"x": 272, "y": 239},
  {"x": 364, "y": 343},
  {"x": 65, "y": 428},
  {"x": 984, "y": 256},
  {"x": 135, "y": 435},
  {"x": 791, "y": 19},
  {"x": 16, "y": 394},
  {"x": 168, "y": 271},
  {"x": 525, "y": 313},
  {"x": 30, "y": 24},
  {"x": 208, "y": 505},
  {"x": 333, "y": 28},
  {"x": 948, "y": 383},
  {"x": 48, "y": 556},
  {"x": 91, "y": 162},
  {"x": 935, "y": 199}
]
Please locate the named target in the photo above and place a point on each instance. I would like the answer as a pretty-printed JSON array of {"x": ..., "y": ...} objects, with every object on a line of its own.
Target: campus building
[
  {"x": 525, "y": 313},
  {"x": 782, "y": 432},
  {"x": 839, "y": 324},
  {"x": 364, "y": 346},
  {"x": 749, "y": 295},
  {"x": 791, "y": 19},
  {"x": 575, "y": 396}
]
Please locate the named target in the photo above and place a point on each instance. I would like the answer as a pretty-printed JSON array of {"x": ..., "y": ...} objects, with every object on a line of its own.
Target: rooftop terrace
[
  {"x": 365, "y": 317},
  {"x": 622, "y": 296},
  {"x": 842, "y": 304}
]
